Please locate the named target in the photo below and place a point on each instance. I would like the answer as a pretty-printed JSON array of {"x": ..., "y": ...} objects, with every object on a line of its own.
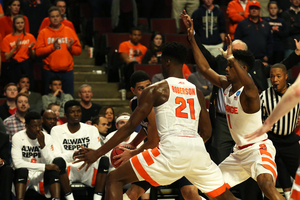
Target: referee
[{"x": 282, "y": 133}]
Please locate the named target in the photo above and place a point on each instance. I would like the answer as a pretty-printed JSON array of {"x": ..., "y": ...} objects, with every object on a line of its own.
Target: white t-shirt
[{"x": 26, "y": 153}]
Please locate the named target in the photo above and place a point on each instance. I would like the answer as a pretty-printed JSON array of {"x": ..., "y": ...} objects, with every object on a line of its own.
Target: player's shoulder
[
  {"x": 19, "y": 135},
  {"x": 59, "y": 128},
  {"x": 84, "y": 127}
]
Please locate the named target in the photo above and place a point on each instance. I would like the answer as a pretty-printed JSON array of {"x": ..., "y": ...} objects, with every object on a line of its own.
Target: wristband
[{"x": 230, "y": 57}]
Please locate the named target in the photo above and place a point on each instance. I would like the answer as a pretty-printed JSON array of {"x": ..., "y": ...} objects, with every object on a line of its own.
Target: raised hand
[
  {"x": 70, "y": 43},
  {"x": 17, "y": 44},
  {"x": 56, "y": 44},
  {"x": 123, "y": 157},
  {"x": 31, "y": 45},
  {"x": 89, "y": 157},
  {"x": 41, "y": 139},
  {"x": 226, "y": 54},
  {"x": 297, "y": 43},
  {"x": 186, "y": 19}
]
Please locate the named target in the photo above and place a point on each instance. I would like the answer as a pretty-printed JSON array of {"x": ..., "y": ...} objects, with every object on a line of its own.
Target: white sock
[
  {"x": 69, "y": 196},
  {"x": 125, "y": 197},
  {"x": 287, "y": 194},
  {"x": 98, "y": 195}
]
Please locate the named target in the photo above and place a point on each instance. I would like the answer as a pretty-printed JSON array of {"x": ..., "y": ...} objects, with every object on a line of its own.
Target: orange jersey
[
  {"x": 1, "y": 10},
  {"x": 186, "y": 71},
  {"x": 46, "y": 22},
  {"x": 6, "y": 25},
  {"x": 61, "y": 59},
  {"x": 135, "y": 52},
  {"x": 22, "y": 53}
]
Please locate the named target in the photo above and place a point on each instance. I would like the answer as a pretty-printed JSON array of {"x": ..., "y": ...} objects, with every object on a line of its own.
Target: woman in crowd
[
  {"x": 153, "y": 53},
  {"x": 19, "y": 48},
  {"x": 109, "y": 113}
]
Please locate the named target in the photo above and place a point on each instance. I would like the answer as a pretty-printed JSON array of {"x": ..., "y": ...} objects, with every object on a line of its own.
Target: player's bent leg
[
  {"x": 116, "y": 179},
  {"x": 190, "y": 192},
  {"x": 101, "y": 177},
  {"x": 21, "y": 176},
  {"x": 51, "y": 179},
  {"x": 225, "y": 195},
  {"x": 134, "y": 192},
  {"x": 266, "y": 184},
  {"x": 63, "y": 178}
]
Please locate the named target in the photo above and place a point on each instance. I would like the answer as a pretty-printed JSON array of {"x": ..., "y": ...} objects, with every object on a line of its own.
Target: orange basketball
[{"x": 118, "y": 151}]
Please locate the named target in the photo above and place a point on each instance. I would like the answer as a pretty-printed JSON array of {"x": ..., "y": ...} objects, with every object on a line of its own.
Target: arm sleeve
[
  {"x": 5, "y": 47},
  {"x": 123, "y": 48},
  {"x": 147, "y": 57},
  {"x": 58, "y": 146},
  {"x": 290, "y": 61},
  {"x": 233, "y": 14},
  {"x": 47, "y": 100},
  {"x": 47, "y": 152},
  {"x": 76, "y": 47},
  {"x": 42, "y": 49},
  {"x": 16, "y": 154}
]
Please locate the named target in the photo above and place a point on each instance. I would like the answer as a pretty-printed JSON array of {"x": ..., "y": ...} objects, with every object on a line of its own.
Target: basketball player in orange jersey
[
  {"x": 253, "y": 158},
  {"x": 179, "y": 109}
]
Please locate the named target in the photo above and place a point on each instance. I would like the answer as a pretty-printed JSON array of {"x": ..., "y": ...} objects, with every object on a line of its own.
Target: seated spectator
[
  {"x": 57, "y": 44},
  {"x": 280, "y": 32},
  {"x": 237, "y": 10},
  {"x": 123, "y": 15},
  {"x": 209, "y": 25},
  {"x": 56, "y": 109},
  {"x": 6, "y": 172},
  {"x": 56, "y": 95},
  {"x": 36, "y": 11},
  {"x": 253, "y": 31},
  {"x": 34, "y": 98},
  {"x": 19, "y": 49},
  {"x": 109, "y": 113},
  {"x": 76, "y": 135},
  {"x": 32, "y": 155},
  {"x": 48, "y": 120},
  {"x": 153, "y": 53},
  {"x": 88, "y": 108},
  {"x": 132, "y": 52},
  {"x": 16, "y": 122},
  {"x": 8, "y": 108},
  {"x": 1, "y": 11},
  {"x": 61, "y": 4},
  {"x": 201, "y": 83},
  {"x": 101, "y": 123},
  {"x": 6, "y": 22}
]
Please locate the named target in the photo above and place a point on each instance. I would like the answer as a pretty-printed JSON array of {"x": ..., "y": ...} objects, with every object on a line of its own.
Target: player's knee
[
  {"x": 61, "y": 163},
  {"x": 21, "y": 175},
  {"x": 111, "y": 177},
  {"x": 50, "y": 177},
  {"x": 134, "y": 192},
  {"x": 189, "y": 192},
  {"x": 103, "y": 165}
]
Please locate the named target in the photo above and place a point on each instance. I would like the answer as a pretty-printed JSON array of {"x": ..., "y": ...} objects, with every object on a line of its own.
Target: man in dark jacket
[
  {"x": 256, "y": 33},
  {"x": 209, "y": 23}
]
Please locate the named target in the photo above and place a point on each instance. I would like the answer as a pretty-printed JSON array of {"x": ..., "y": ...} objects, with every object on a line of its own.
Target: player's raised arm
[
  {"x": 288, "y": 101},
  {"x": 200, "y": 60},
  {"x": 145, "y": 106}
]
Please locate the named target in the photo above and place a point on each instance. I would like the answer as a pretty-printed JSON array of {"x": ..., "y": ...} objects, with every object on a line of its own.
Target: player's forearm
[{"x": 199, "y": 57}]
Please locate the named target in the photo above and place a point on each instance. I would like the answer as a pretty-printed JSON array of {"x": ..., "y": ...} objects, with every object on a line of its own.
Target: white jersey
[
  {"x": 26, "y": 153},
  {"x": 67, "y": 143},
  {"x": 239, "y": 122},
  {"x": 182, "y": 108}
]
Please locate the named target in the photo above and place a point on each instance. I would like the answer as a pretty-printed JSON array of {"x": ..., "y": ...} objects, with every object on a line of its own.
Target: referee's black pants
[{"x": 288, "y": 149}]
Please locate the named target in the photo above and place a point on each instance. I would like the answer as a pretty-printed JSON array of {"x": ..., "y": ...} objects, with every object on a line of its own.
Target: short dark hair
[
  {"x": 135, "y": 29},
  {"x": 175, "y": 51},
  {"x": 8, "y": 85},
  {"x": 19, "y": 95},
  {"x": 53, "y": 8},
  {"x": 272, "y": 2},
  {"x": 32, "y": 115},
  {"x": 71, "y": 103},
  {"x": 95, "y": 119},
  {"x": 24, "y": 76},
  {"x": 280, "y": 66},
  {"x": 138, "y": 76},
  {"x": 52, "y": 104},
  {"x": 55, "y": 78},
  {"x": 244, "y": 58}
]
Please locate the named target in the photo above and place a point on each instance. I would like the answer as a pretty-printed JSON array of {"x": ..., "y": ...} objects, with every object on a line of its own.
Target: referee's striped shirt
[{"x": 286, "y": 124}]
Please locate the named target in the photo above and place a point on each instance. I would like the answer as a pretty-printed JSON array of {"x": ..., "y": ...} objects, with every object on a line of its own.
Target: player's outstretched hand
[
  {"x": 52, "y": 167},
  {"x": 186, "y": 19},
  {"x": 88, "y": 157},
  {"x": 123, "y": 157},
  {"x": 226, "y": 54},
  {"x": 262, "y": 130}
]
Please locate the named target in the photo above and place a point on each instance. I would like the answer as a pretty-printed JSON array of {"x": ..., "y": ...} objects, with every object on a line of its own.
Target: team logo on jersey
[
  {"x": 237, "y": 94},
  {"x": 181, "y": 82}
]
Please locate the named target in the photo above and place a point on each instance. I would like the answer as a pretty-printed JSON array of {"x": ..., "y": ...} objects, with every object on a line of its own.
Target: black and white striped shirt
[{"x": 285, "y": 125}]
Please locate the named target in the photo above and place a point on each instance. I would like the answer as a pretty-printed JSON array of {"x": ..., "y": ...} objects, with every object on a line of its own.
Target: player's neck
[
  {"x": 236, "y": 86},
  {"x": 73, "y": 128},
  {"x": 176, "y": 72}
]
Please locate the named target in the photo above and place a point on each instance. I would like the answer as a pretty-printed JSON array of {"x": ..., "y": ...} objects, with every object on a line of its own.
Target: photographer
[{"x": 57, "y": 95}]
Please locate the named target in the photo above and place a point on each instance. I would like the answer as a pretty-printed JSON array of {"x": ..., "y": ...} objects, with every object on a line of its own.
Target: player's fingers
[
  {"x": 82, "y": 166},
  {"x": 117, "y": 162},
  {"x": 117, "y": 156},
  {"x": 87, "y": 167},
  {"x": 79, "y": 160}
]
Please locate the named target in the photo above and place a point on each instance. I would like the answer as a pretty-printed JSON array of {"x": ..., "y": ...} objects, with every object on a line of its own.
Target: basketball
[{"x": 118, "y": 151}]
